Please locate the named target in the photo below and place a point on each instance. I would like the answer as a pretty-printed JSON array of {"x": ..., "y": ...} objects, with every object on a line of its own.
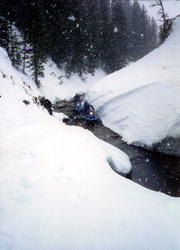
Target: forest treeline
[{"x": 79, "y": 35}]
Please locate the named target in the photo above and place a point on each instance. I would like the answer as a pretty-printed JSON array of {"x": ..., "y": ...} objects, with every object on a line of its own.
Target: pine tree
[
  {"x": 143, "y": 33},
  {"x": 166, "y": 23},
  {"x": 37, "y": 31},
  {"x": 4, "y": 35},
  {"x": 140, "y": 31},
  {"x": 80, "y": 36},
  {"x": 57, "y": 32},
  {"x": 106, "y": 36},
  {"x": 13, "y": 45},
  {"x": 135, "y": 31},
  {"x": 161, "y": 11},
  {"x": 120, "y": 34},
  {"x": 88, "y": 36},
  {"x": 127, "y": 6},
  {"x": 152, "y": 35}
]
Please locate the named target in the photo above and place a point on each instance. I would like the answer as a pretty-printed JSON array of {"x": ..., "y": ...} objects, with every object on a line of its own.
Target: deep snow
[
  {"x": 43, "y": 161},
  {"x": 142, "y": 101},
  {"x": 57, "y": 190}
]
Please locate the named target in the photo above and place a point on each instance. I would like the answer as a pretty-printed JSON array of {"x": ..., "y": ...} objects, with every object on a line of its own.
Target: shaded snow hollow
[{"x": 142, "y": 101}]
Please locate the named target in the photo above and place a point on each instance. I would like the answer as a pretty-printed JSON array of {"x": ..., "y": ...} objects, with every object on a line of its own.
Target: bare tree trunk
[{"x": 162, "y": 11}]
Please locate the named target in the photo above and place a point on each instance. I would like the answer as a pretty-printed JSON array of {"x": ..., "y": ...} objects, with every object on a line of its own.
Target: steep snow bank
[
  {"x": 145, "y": 115},
  {"x": 14, "y": 90},
  {"x": 142, "y": 101},
  {"x": 58, "y": 191}
]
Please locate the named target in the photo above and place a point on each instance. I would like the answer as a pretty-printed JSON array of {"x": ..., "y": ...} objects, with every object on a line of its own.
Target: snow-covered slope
[
  {"x": 17, "y": 88},
  {"x": 56, "y": 86},
  {"x": 57, "y": 190},
  {"x": 142, "y": 101}
]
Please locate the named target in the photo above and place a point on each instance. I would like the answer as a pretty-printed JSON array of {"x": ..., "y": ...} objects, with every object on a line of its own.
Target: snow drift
[{"x": 142, "y": 101}]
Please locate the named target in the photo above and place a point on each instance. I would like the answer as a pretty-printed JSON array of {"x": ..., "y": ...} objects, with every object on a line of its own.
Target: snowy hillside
[
  {"x": 142, "y": 101},
  {"x": 58, "y": 190},
  {"x": 56, "y": 86}
]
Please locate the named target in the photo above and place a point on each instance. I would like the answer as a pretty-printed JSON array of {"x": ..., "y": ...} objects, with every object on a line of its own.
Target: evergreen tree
[
  {"x": 89, "y": 35},
  {"x": 127, "y": 6},
  {"x": 24, "y": 52},
  {"x": 120, "y": 35},
  {"x": 73, "y": 60},
  {"x": 35, "y": 65},
  {"x": 36, "y": 29},
  {"x": 161, "y": 11},
  {"x": 152, "y": 35},
  {"x": 107, "y": 41},
  {"x": 98, "y": 25},
  {"x": 143, "y": 33},
  {"x": 4, "y": 35},
  {"x": 135, "y": 34},
  {"x": 166, "y": 23},
  {"x": 80, "y": 36}
]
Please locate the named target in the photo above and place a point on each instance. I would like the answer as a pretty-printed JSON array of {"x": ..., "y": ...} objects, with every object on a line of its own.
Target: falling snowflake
[
  {"x": 115, "y": 30},
  {"x": 72, "y": 18}
]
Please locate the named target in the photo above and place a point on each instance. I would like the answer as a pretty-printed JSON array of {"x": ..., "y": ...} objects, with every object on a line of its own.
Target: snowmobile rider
[
  {"x": 78, "y": 98},
  {"x": 88, "y": 109},
  {"x": 47, "y": 104}
]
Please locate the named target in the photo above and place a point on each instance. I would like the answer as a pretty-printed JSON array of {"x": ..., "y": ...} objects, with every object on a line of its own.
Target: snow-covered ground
[
  {"x": 142, "y": 101},
  {"x": 57, "y": 190},
  {"x": 56, "y": 86}
]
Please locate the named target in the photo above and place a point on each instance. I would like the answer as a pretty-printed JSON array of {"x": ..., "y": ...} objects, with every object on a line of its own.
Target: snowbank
[
  {"x": 118, "y": 161},
  {"x": 142, "y": 101}
]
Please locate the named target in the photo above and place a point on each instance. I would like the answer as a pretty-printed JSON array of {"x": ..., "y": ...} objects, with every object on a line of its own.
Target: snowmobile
[
  {"x": 84, "y": 115},
  {"x": 90, "y": 115},
  {"x": 78, "y": 107},
  {"x": 85, "y": 111}
]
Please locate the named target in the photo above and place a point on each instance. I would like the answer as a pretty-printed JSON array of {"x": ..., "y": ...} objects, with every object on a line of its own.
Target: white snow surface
[
  {"x": 55, "y": 86},
  {"x": 58, "y": 190},
  {"x": 142, "y": 101}
]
